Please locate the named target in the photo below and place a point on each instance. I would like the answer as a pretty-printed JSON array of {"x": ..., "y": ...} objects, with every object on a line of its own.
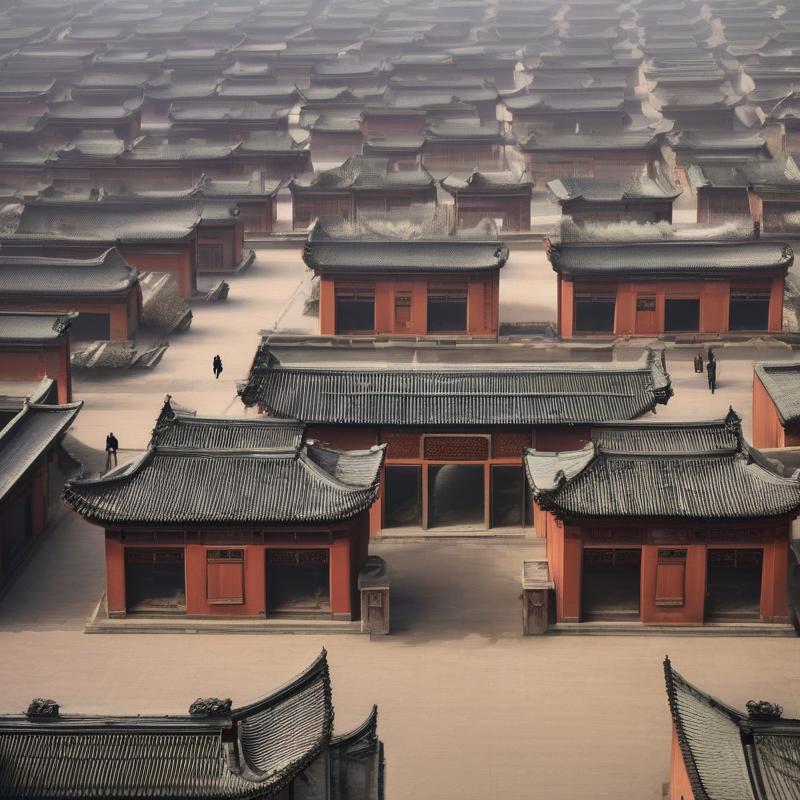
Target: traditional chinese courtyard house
[
  {"x": 280, "y": 746},
  {"x": 651, "y": 288},
  {"x": 719, "y": 751},
  {"x": 455, "y": 420},
  {"x": 104, "y": 290},
  {"x": 776, "y": 404},
  {"x": 455, "y": 145},
  {"x": 638, "y": 198},
  {"x": 582, "y": 155},
  {"x": 371, "y": 285},
  {"x": 766, "y": 192},
  {"x": 150, "y": 236},
  {"x": 362, "y": 186},
  {"x": 32, "y": 471},
  {"x": 598, "y": 111},
  {"x": 35, "y": 346},
  {"x": 501, "y": 196},
  {"x": 670, "y": 523},
  {"x": 280, "y": 527},
  {"x": 690, "y": 147}
]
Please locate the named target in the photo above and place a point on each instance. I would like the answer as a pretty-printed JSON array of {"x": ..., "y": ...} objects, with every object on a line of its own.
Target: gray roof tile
[
  {"x": 379, "y": 393},
  {"x": 663, "y": 469}
]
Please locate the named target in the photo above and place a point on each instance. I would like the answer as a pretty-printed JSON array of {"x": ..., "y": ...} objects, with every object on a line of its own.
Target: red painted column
[
  {"x": 115, "y": 576},
  {"x": 569, "y": 609},
  {"x": 774, "y": 576},
  {"x": 340, "y": 578},
  {"x": 194, "y": 565}
]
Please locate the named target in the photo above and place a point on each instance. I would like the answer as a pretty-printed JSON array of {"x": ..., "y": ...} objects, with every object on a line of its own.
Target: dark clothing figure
[
  {"x": 698, "y": 362},
  {"x": 112, "y": 445},
  {"x": 217, "y": 366},
  {"x": 711, "y": 372}
]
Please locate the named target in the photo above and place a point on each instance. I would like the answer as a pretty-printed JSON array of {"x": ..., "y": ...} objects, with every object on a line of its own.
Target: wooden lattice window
[
  {"x": 456, "y": 448},
  {"x": 509, "y": 445},
  {"x": 671, "y": 577},
  {"x": 401, "y": 444},
  {"x": 225, "y": 577}
]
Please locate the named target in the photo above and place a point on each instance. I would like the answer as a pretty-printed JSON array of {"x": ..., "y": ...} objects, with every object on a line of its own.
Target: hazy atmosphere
[{"x": 434, "y": 356}]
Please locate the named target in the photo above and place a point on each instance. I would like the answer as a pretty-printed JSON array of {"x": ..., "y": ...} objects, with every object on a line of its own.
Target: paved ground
[{"x": 468, "y": 707}]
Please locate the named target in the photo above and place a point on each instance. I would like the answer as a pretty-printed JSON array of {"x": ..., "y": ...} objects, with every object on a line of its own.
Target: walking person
[
  {"x": 711, "y": 372},
  {"x": 112, "y": 445},
  {"x": 698, "y": 362},
  {"x": 217, "y": 366}
]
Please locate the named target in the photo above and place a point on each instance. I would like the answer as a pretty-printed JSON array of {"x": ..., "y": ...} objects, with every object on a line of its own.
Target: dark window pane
[
  {"x": 508, "y": 496},
  {"x": 355, "y": 312},
  {"x": 455, "y": 495},
  {"x": 90, "y": 326},
  {"x": 447, "y": 310},
  {"x": 594, "y": 314},
  {"x": 749, "y": 312},
  {"x": 402, "y": 496},
  {"x": 681, "y": 315}
]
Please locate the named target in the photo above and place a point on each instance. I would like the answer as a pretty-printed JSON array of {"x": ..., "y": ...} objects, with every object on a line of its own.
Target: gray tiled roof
[
  {"x": 729, "y": 755},
  {"x": 101, "y": 222},
  {"x": 662, "y": 469},
  {"x": 637, "y": 187},
  {"x": 363, "y": 172},
  {"x": 667, "y": 257},
  {"x": 66, "y": 277},
  {"x": 778, "y": 173},
  {"x": 781, "y": 379},
  {"x": 25, "y": 439},
  {"x": 374, "y": 392},
  {"x": 23, "y": 326},
  {"x": 626, "y": 140},
  {"x": 273, "y": 741},
  {"x": 207, "y": 470},
  {"x": 328, "y": 255},
  {"x": 485, "y": 181}
]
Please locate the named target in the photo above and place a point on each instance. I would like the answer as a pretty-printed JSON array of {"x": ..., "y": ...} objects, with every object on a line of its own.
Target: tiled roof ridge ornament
[
  {"x": 42, "y": 708},
  {"x": 165, "y": 417},
  {"x": 733, "y": 423},
  {"x": 60, "y": 324},
  {"x": 210, "y": 707},
  {"x": 787, "y": 253},
  {"x": 763, "y": 710}
]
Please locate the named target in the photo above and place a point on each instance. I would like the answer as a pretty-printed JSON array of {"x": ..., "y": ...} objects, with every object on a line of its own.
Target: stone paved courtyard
[{"x": 469, "y": 709}]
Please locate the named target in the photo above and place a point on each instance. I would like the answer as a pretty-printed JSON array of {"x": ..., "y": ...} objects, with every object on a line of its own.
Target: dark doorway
[
  {"x": 456, "y": 495},
  {"x": 733, "y": 588},
  {"x": 154, "y": 580},
  {"x": 508, "y": 497},
  {"x": 594, "y": 313},
  {"x": 88, "y": 327},
  {"x": 749, "y": 310},
  {"x": 681, "y": 315},
  {"x": 447, "y": 310},
  {"x": 402, "y": 497},
  {"x": 16, "y": 532},
  {"x": 298, "y": 582},
  {"x": 611, "y": 584},
  {"x": 355, "y": 311}
]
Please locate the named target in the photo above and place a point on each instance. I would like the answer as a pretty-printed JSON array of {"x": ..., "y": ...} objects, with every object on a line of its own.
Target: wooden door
[{"x": 646, "y": 316}]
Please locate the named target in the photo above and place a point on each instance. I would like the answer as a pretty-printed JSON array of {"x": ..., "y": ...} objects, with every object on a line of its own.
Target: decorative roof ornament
[
  {"x": 210, "y": 707},
  {"x": 42, "y": 708},
  {"x": 762, "y": 710}
]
